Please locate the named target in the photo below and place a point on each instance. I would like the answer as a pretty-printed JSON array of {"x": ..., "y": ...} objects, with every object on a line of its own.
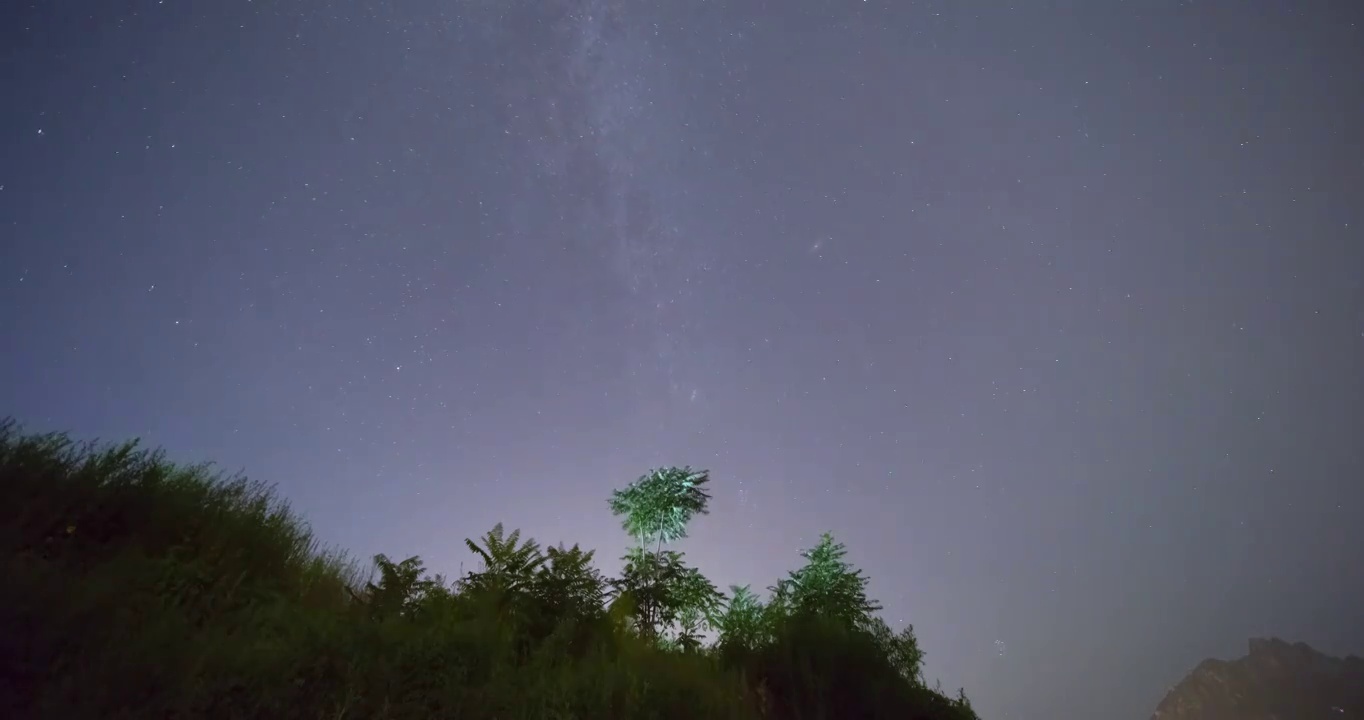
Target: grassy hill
[{"x": 131, "y": 587}]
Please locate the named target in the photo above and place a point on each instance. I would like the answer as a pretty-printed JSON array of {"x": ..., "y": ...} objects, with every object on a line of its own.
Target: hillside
[
  {"x": 131, "y": 587},
  {"x": 1275, "y": 681}
]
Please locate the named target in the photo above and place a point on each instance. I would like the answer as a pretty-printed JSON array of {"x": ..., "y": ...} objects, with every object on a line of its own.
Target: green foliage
[
  {"x": 401, "y": 588},
  {"x": 131, "y": 587},
  {"x": 671, "y": 603},
  {"x": 900, "y": 649},
  {"x": 568, "y": 585},
  {"x": 507, "y": 565},
  {"x": 668, "y": 599},
  {"x": 656, "y": 508},
  {"x": 742, "y": 623},
  {"x": 693, "y": 600},
  {"x": 819, "y": 667},
  {"x": 827, "y": 586}
]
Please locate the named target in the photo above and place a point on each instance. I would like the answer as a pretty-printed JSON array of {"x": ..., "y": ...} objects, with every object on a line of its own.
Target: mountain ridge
[{"x": 1275, "y": 680}]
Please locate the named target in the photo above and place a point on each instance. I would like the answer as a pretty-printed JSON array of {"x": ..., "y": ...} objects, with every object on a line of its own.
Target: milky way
[{"x": 1050, "y": 311}]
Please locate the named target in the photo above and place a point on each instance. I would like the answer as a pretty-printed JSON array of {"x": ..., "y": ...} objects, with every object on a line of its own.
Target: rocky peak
[{"x": 1277, "y": 680}]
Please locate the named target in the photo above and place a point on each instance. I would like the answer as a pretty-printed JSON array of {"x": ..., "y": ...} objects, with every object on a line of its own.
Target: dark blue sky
[{"x": 1054, "y": 313}]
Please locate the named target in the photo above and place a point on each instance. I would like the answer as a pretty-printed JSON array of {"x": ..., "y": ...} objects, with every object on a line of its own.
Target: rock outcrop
[{"x": 1276, "y": 681}]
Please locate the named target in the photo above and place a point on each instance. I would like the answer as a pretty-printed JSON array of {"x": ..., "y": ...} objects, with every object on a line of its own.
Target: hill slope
[
  {"x": 1275, "y": 681},
  {"x": 132, "y": 587}
]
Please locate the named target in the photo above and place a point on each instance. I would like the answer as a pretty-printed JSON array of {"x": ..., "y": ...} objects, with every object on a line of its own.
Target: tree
[
  {"x": 901, "y": 650},
  {"x": 400, "y": 589},
  {"x": 693, "y": 600},
  {"x": 827, "y": 586},
  {"x": 642, "y": 588},
  {"x": 662, "y": 591},
  {"x": 742, "y": 623},
  {"x": 656, "y": 508},
  {"x": 507, "y": 565},
  {"x": 567, "y": 585},
  {"x": 963, "y": 704}
]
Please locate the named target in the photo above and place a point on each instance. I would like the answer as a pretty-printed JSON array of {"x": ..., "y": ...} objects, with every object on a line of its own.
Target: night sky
[{"x": 1054, "y": 313}]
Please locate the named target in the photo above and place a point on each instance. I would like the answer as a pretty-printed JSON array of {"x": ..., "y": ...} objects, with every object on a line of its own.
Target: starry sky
[{"x": 1052, "y": 310}]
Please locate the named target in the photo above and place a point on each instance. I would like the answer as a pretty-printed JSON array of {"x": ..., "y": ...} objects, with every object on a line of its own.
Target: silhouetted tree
[
  {"x": 568, "y": 585},
  {"x": 400, "y": 588},
  {"x": 507, "y": 565},
  {"x": 963, "y": 704},
  {"x": 901, "y": 649}
]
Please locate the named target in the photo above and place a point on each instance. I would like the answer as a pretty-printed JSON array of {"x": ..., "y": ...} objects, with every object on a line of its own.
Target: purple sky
[{"x": 1053, "y": 313}]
